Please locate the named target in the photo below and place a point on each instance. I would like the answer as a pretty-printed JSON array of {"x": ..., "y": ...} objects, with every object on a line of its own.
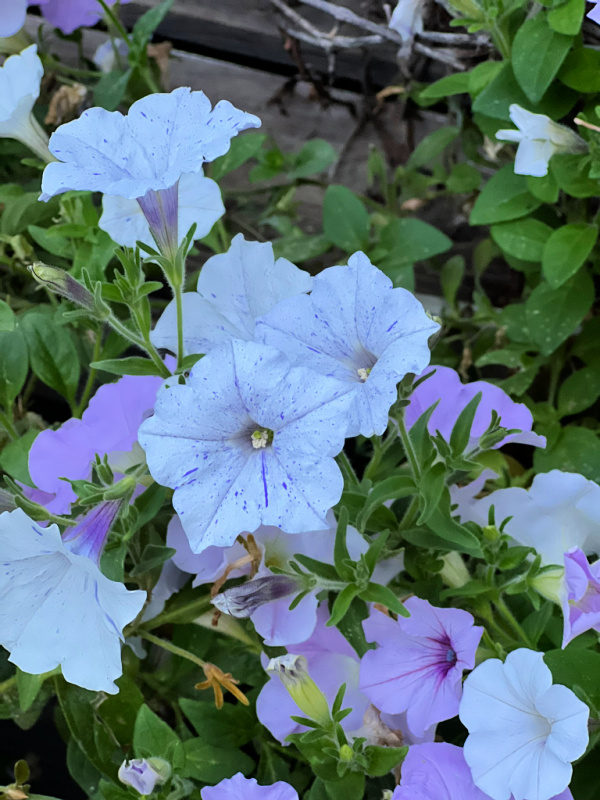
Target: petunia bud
[
  {"x": 293, "y": 671},
  {"x": 454, "y": 573},
  {"x": 242, "y": 601},
  {"x": 144, "y": 774},
  {"x": 60, "y": 282}
]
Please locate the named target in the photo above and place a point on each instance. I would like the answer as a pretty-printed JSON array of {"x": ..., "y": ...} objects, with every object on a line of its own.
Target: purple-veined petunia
[
  {"x": 524, "y": 732},
  {"x": 248, "y": 441},
  {"x": 233, "y": 290},
  {"x": 56, "y": 607},
  {"x": 354, "y": 326},
  {"x": 418, "y": 664}
]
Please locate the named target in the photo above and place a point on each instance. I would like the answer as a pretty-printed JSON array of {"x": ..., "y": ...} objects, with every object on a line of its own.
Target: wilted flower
[
  {"x": 452, "y": 396},
  {"x": 242, "y": 601},
  {"x": 144, "y": 774},
  {"x": 234, "y": 289},
  {"x": 248, "y": 440},
  {"x": 238, "y": 787},
  {"x": 356, "y": 327},
  {"x": 419, "y": 662},
  {"x": 407, "y": 19},
  {"x": 524, "y": 732},
  {"x": 57, "y": 608},
  {"x": 20, "y": 77},
  {"x": 539, "y": 138}
]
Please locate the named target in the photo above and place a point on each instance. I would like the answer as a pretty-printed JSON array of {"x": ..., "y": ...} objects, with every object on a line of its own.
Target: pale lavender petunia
[
  {"x": 594, "y": 13},
  {"x": 355, "y": 326},
  {"x": 56, "y": 607},
  {"x": 249, "y": 440},
  {"x": 446, "y": 387},
  {"x": 68, "y": 15},
  {"x": 419, "y": 662},
  {"x": 438, "y": 771},
  {"x": 233, "y": 290},
  {"x": 144, "y": 774},
  {"x": 108, "y": 426},
  {"x": 581, "y": 599},
  {"x": 247, "y": 788}
]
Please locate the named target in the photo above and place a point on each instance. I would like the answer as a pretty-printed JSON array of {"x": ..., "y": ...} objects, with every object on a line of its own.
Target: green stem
[
  {"x": 87, "y": 389},
  {"x": 8, "y": 684},
  {"x": 8, "y": 425},
  {"x": 509, "y": 617},
  {"x": 52, "y": 65},
  {"x": 179, "y": 308},
  {"x": 408, "y": 448},
  {"x": 115, "y": 21},
  {"x": 143, "y": 343},
  {"x": 172, "y": 648},
  {"x": 195, "y": 607}
]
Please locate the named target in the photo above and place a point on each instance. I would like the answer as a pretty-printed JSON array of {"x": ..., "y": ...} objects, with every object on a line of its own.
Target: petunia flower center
[
  {"x": 363, "y": 373},
  {"x": 261, "y": 437}
]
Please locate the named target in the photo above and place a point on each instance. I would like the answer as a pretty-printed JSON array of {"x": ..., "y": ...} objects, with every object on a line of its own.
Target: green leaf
[
  {"x": 566, "y": 250},
  {"x": 341, "y": 604},
  {"x": 504, "y": 197},
  {"x": 375, "y": 593},
  {"x": 545, "y": 188},
  {"x": 382, "y": 760},
  {"x": 581, "y": 70},
  {"x": 14, "y": 459},
  {"x": 7, "y": 317},
  {"x": 25, "y": 210},
  {"x": 390, "y": 489},
  {"x": 575, "y": 667},
  {"x": 431, "y": 486},
  {"x": 154, "y": 556},
  {"x": 29, "y": 687},
  {"x": 446, "y": 87},
  {"x": 48, "y": 240},
  {"x": 242, "y": 149},
  {"x": 497, "y": 97},
  {"x": 452, "y": 275},
  {"x": 149, "y": 22},
  {"x": 152, "y": 736},
  {"x": 576, "y": 450},
  {"x": 432, "y": 146},
  {"x": 537, "y": 55},
  {"x": 567, "y": 18},
  {"x": 405, "y": 241},
  {"x": 350, "y": 787},
  {"x": 554, "y": 314},
  {"x": 450, "y": 534},
  {"x": 52, "y": 353},
  {"x": 315, "y": 156},
  {"x": 133, "y": 365},
  {"x": 346, "y": 221},
  {"x": 350, "y": 626},
  {"x": 463, "y": 178},
  {"x": 579, "y": 391},
  {"x": 228, "y": 727},
  {"x": 320, "y": 568},
  {"x": 14, "y": 366},
  {"x": 524, "y": 239},
  {"x": 111, "y": 88},
  {"x": 572, "y": 175},
  {"x": 341, "y": 556},
  {"x": 204, "y": 762}
]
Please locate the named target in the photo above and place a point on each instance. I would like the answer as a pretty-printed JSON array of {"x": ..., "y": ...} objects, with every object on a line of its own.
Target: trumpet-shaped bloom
[
  {"x": 20, "y": 77},
  {"x": 144, "y": 774},
  {"x": 407, "y": 18},
  {"x": 446, "y": 388},
  {"x": 581, "y": 598},
  {"x": 539, "y": 138},
  {"x": 238, "y": 786},
  {"x": 355, "y": 327},
  {"x": 56, "y": 607},
  {"x": 438, "y": 771},
  {"x": 248, "y": 440},
  {"x": 419, "y": 662},
  {"x": 234, "y": 289},
  {"x": 163, "y": 137},
  {"x": 109, "y": 425},
  {"x": 199, "y": 203},
  {"x": 524, "y": 732}
]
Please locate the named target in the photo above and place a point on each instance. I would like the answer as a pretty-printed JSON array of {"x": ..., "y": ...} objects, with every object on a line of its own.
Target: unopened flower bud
[
  {"x": 60, "y": 282},
  {"x": 454, "y": 573},
  {"x": 550, "y": 584},
  {"x": 144, "y": 774},
  {"x": 293, "y": 671},
  {"x": 242, "y": 601},
  {"x": 346, "y": 753}
]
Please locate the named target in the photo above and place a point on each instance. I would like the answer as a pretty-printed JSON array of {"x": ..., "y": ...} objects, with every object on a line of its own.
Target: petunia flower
[
  {"x": 581, "y": 598},
  {"x": 144, "y": 774},
  {"x": 238, "y": 786},
  {"x": 68, "y": 15},
  {"x": 249, "y": 440},
  {"x": 200, "y": 203},
  {"x": 108, "y": 426},
  {"x": 524, "y": 732},
  {"x": 12, "y": 16},
  {"x": 539, "y": 138},
  {"x": 234, "y": 289},
  {"x": 142, "y": 156},
  {"x": 56, "y": 607},
  {"x": 20, "y": 77},
  {"x": 407, "y": 18},
  {"x": 419, "y": 662},
  {"x": 438, "y": 771},
  {"x": 355, "y": 327},
  {"x": 594, "y": 13},
  {"x": 446, "y": 388}
]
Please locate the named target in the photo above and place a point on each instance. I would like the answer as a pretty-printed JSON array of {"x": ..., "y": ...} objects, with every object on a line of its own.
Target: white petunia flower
[
  {"x": 539, "y": 138},
  {"x": 20, "y": 78},
  {"x": 407, "y": 18},
  {"x": 524, "y": 732}
]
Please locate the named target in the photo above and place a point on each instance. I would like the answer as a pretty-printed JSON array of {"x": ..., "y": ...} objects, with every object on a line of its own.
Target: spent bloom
[
  {"x": 109, "y": 425},
  {"x": 56, "y": 607},
  {"x": 539, "y": 138},
  {"x": 20, "y": 77},
  {"x": 407, "y": 18},
  {"x": 356, "y": 327},
  {"x": 524, "y": 732},
  {"x": 446, "y": 388},
  {"x": 233, "y": 290},
  {"x": 238, "y": 786},
  {"x": 143, "y": 155},
  {"x": 144, "y": 774},
  {"x": 419, "y": 662}
]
